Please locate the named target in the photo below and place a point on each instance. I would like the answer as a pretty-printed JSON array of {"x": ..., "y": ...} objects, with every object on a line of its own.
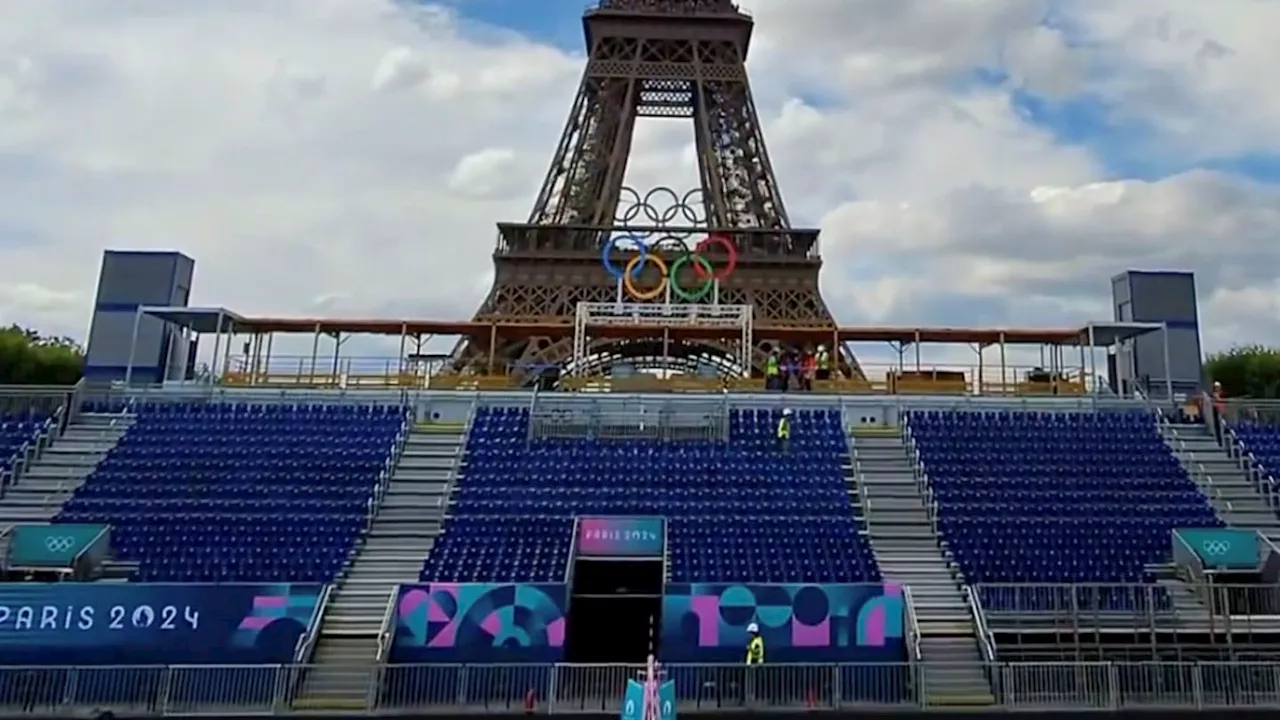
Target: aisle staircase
[
  {"x": 909, "y": 552},
  {"x": 403, "y": 531},
  {"x": 1221, "y": 478},
  {"x": 50, "y": 480}
]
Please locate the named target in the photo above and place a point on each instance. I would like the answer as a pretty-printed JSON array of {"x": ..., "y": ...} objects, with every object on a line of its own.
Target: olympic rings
[
  {"x": 702, "y": 267},
  {"x": 628, "y": 278},
  {"x": 1216, "y": 547}
]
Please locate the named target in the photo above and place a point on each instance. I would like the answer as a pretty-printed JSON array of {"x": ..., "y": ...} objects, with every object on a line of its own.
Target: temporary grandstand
[{"x": 590, "y": 487}]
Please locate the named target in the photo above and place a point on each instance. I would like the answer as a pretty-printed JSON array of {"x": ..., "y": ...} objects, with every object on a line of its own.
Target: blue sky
[{"x": 557, "y": 22}]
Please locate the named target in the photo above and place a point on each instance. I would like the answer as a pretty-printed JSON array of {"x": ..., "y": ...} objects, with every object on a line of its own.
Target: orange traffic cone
[
  {"x": 530, "y": 702},
  {"x": 812, "y": 700}
]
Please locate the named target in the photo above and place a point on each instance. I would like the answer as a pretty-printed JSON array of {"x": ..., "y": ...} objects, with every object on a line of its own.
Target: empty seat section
[
  {"x": 1056, "y": 497},
  {"x": 733, "y": 506},
  {"x": 17, "y": 430},
  {"x": 1262, "y": 440},
  {"x": 213, "y": 492}
]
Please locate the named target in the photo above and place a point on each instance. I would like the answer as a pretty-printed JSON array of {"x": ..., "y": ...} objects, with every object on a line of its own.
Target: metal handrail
[
  {"x": 986, "y": 639},
  {"x": 307, "y": 643},
  {"x": 913, "y": 624},
  {"x": 461, "y": 452},
  {"x": 387, "y": 629}
]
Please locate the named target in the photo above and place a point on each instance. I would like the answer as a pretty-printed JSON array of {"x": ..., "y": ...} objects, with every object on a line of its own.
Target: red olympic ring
[{"x": 729, "y": 249}]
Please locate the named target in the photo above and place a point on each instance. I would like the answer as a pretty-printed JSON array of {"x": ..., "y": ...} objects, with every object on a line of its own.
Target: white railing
[
  {"x": 230, "y": 690},
  {"x": 913, "y": 625}
]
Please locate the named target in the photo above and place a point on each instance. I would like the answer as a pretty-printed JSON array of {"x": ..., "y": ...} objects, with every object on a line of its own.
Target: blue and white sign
[
  {"x": 51, "y": 545},
  {"x": 1223, "y": 549}
]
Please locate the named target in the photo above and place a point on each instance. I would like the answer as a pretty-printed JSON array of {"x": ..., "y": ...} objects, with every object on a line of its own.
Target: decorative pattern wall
[
  {"x": 479, "y": 622},
  {"x": 799, "y": 623}
]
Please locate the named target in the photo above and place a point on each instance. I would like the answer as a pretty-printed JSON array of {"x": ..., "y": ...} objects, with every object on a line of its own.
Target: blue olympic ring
[
  {"x": 612, "y": 245},
  {"x": 643, "y": 248}
]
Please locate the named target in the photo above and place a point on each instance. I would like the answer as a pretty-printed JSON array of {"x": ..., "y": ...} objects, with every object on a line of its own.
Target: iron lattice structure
[{"x": 669, "y": 59}]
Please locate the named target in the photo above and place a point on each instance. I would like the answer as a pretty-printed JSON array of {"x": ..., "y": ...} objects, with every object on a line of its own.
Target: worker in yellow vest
[
  {"x": 824, "y": 363},
  {"x": 755, "y": 645},
  {"x": 784, "y": 430},
  {"x": 772, "y": 372}
]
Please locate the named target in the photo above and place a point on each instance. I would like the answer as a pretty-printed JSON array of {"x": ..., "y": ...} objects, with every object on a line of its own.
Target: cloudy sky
[{"x": 971, "y": 162}]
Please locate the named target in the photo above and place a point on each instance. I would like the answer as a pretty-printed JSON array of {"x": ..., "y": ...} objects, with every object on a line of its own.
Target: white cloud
[{"x": 351, "y": 156}]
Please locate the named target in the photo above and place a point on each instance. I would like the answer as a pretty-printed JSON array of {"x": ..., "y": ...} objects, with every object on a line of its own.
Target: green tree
[
  {"x": 1247, "y": 371},
  {"x": 29, "y": 358}
]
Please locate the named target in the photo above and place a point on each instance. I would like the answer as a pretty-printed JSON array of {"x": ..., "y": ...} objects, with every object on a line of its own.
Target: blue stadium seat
[
  {"x": 16, "y": 431},
  {"x": 733, "y": 506},
  {"x": 211, "y": 492},
  {"x": 1056, "y": 497},
  {"x": 1262, "y": 441}
]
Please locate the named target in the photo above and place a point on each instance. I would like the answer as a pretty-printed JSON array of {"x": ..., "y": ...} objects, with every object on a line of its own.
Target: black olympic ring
[{"x": 686, "y": 211}]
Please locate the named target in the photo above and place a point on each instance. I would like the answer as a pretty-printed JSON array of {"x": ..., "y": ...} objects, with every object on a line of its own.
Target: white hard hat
[
  {"x": 787, "y": 411},
  {"x": 753, "y": 628},
  {"x": 822, "y": 348}
]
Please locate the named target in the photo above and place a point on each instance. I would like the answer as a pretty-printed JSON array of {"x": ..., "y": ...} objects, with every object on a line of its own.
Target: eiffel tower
[{"x": 669, "y": 59}]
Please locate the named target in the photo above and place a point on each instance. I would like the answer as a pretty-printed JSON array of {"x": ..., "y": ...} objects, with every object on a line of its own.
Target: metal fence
[
  {"x": 480, "y": 689},
  {"x": 1176, "y": 605}
]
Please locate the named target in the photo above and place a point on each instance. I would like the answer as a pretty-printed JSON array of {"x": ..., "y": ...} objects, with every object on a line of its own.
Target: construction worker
[
  {"x": 808, "y": 370},
  {"x": 771, "y": 370},
  {"x": 784, "y": 430},
  {"x": 755, "y": 645},
  {"x": 824, "y": 363}
]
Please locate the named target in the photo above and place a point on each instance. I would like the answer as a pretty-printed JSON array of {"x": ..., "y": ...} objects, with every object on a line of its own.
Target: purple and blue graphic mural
[
  {"x": 479, "y": 622},
  {"x": 799, "y": 623},
  {"x": 141, "y": 624},
  {"x": 630, "y": 537}
]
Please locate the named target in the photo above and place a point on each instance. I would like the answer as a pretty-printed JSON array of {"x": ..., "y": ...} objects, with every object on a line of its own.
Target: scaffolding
[{"x": 731, "y": 322}]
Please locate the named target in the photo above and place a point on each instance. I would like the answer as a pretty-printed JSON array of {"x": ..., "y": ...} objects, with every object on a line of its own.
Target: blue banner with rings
[
  {"x": 50, "y": 545},
  {"x": 1223, "y": 549}
]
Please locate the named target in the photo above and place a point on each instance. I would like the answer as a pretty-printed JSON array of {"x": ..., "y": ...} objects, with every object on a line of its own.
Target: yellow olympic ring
[{"x": 628, "y": 280}]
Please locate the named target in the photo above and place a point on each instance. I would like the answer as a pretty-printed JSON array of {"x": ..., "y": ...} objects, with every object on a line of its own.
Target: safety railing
[
  {"x": 1200, "y": 475},
  {"x": 561, "y": 689},
  {"x": 456, "y": 468},
  {"x": 1246, "y": 610},
  {"x": 387, "y": 629},
  {"x": 30, "y": 450},
  {"x": 1259, "y": 475},
  {"x": 913, "y": 625},
  {"x": 306, "y": 644}
]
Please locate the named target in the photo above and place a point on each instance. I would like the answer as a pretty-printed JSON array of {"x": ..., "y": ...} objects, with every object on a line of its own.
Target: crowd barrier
[{"x": 597, "y": 689}]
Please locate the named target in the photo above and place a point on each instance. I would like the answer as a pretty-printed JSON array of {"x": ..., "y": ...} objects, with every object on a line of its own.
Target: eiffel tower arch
[{"x": 667, "y": 59}]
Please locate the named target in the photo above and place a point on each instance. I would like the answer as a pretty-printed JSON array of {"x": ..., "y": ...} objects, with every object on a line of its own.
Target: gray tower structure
[
  {"x": 129, "y": 280},
  {"x": 1158, "y": 297}
]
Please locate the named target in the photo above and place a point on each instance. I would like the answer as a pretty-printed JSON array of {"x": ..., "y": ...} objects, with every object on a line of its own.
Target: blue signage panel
[
  {"x": 50, "y": 545},
  {"x": 1223, "y": 549},
  {"x": 621, "y": 537},
  {"x": 480, "y": 622},
  {"x": 708, "y": 623},
  {"x": 143, "y": 624}
]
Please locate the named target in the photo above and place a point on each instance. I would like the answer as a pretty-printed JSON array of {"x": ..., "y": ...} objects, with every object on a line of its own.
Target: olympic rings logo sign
[
  {"x": 647, "y": 252},
  {"x": 1216, "y": 547},
  {"x": 58, "y": 544}
]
